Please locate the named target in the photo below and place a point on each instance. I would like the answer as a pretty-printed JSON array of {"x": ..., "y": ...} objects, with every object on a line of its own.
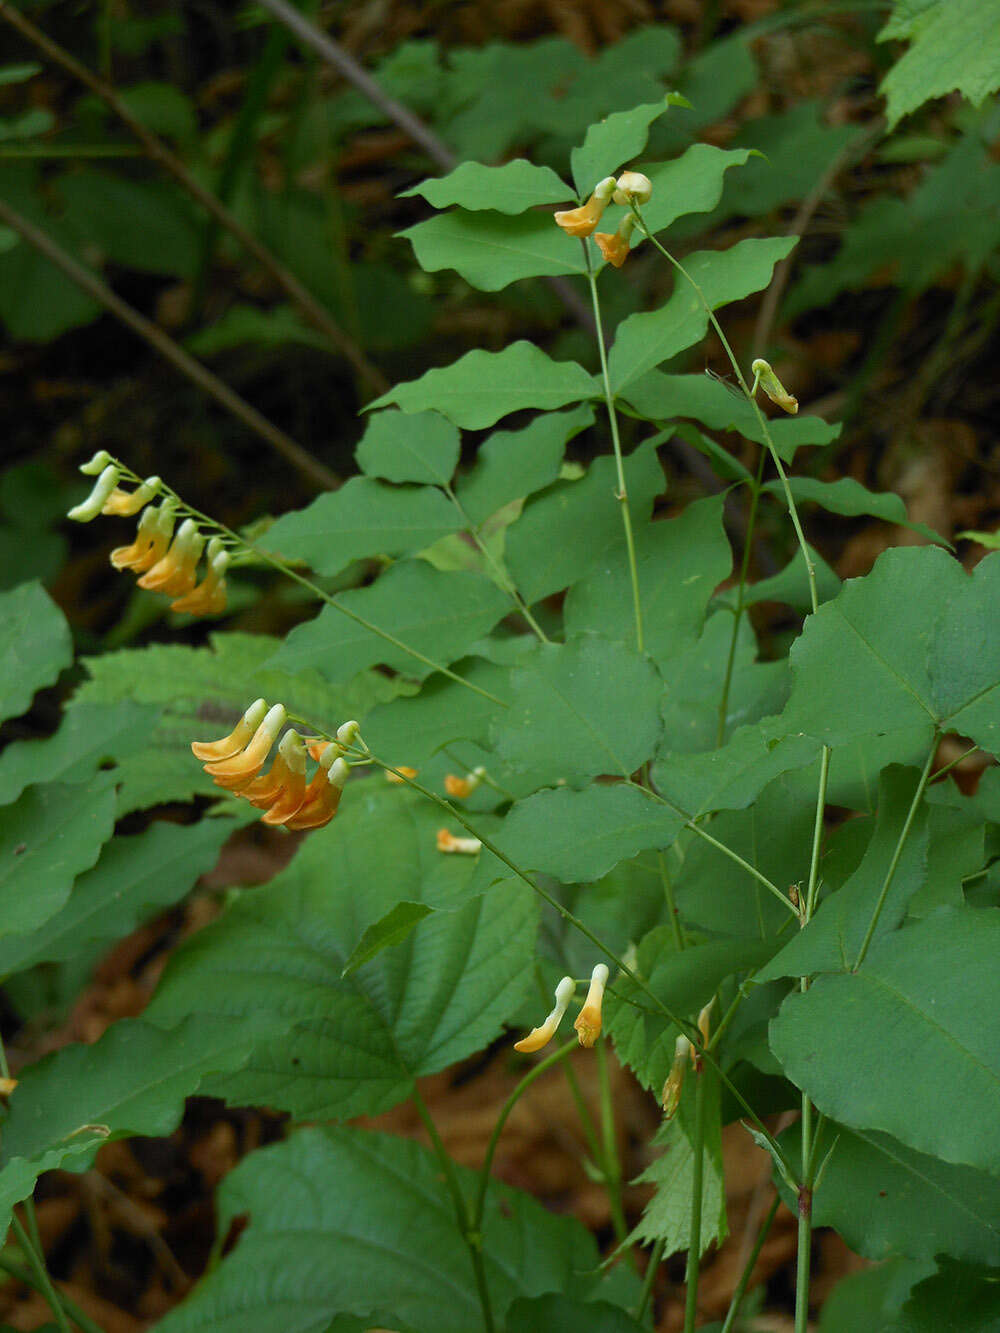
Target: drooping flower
[
  {"x": 670, "y": 1098},
  {"x": 152, "y": 538},
  {"x": 447, "y": 842},
  {"x": 248, "y": 762},
  {"x": 323, "y": 794},
  {"x": 582, "y": 221},
  {"x": 100, "y": 492},
  {"x": 632, "y": 187},
  {"x": 401, "y": 773},
  {"x": 773, "y": 387},
  {"x": 124, "y": 504},
  {"x": 462, "y": 788},
  {"x": 541, "y": 1036},
  {"x": 209, "y": 596},
  {"x": 588, "y": 1020},
  {"x": 614, "y": 246},
  {"x": 240, "y": 736},
  {"x": 175, "y": 573}
]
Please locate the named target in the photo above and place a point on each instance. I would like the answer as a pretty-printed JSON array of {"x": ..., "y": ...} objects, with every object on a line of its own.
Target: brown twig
[
  {"x": 313, "y": 311},
  {"x": 167, "y": 348}
]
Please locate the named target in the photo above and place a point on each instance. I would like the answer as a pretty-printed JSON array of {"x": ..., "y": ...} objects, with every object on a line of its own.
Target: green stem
[
  {"x": 611, "y": 1164},
  {"x": 469, "y": 1232},
  {"x": 645, "y": 1295},
  {"x": 37, "y": 1266},
  {"x": 697, "y": 1188},
  {"x": 28, "y": 1277},
  {"x": 894, "y": 863},
  {"x": 484, "y": 1176},
  {"x": 740, "y": 596},
  {"x": 622, "y": 496},
  {"x": 804, "y": 1247},
  {"x": 748, "y": 1267},
  {"x": 504, "y": 579},
  {"x": 813, "y": 887},
  {"x": 668, "y": 893}
]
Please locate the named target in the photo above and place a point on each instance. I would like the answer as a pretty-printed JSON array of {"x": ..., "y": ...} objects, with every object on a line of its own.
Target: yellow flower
[
  {"x": 582, "y": 221},
  {"x": 540, "y": 1036},
  {"x": 248, "y": 761},
  {"x": 209, "y": 751},
  {"x": 124, "y": 504},
  {"x": 615, "y": 246},
  {"x": 174, "y": 572},
  {"x": 588, "y": 1021},
  {"x": 447, "y": 842},
  {"x": 671, "y": 1095},
  {"x": 462, "y": 788}
]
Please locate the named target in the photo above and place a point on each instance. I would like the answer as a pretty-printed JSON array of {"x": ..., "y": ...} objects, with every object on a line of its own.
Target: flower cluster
[
  {"x": 164, "y": 554},
  {"x": 235, "y": 763},
  {"x": 588, "y": 1021},
  {"x": 631, "y": 188}
]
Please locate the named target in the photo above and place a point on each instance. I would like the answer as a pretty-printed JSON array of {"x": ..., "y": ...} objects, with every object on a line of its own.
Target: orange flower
[
  {"x": 614, "y": 246},
  {"x": 209, "y": 597},
  {"x": 582, "y": 221},
  {"x": 447, "y": 842},
  {"x": 402, "y": 772},
  {"x": 126, "y": 503},
  {"x": 151, "y": 539},
  {"x": 541, "y": 1036},
  {"x": 323, "y": 794},
  {"x": 174, "y": 573},
  {"x": 461, "y": 788},
  {"x": 290, "y": 768},
  {"x": 248, "y": 762},
  {"x": 240, "y": 736},
  {"x": 588, "y": 1021}
]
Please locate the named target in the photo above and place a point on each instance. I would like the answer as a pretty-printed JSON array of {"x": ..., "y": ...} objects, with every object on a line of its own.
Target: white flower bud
[
  {"x": 633, "y": 188},
  {"x": 94, "y": 503}
]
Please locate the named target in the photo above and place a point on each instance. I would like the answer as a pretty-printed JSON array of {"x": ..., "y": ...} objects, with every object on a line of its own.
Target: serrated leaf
[
  {"x": 512, "y": 464},
  {"x": 612, "y": 143},
  {"x": 847, "y": 496},
  {"x": 578, "y": 836},
  {"x": 88, "y": 735},
  {"x": 49, "y": 835},
  {"x": 134, "y": 877},
  {"x": 953, "y": 49},
  {"x": 364, "y": 517},
  {"x": 907, "y": 1009},
  {"x": 35, "y": 645},
  {"x": 644, "y": 340},
  {"x": 490, "y": 250},
  {"x": 680, "y": 563},
  {"x": 915, "y": 643},
  {"x": 438, "y": 614},
  {"x": 885, "y": 1199},
  {"x": 334, "y": 1046},
  {"x": 578, "y": 710},
  {"x": 481, "y": 387},
  {"x": 831, "y": 940},
  {"x": 512, "y": 188},
  {"x": 352, "y": 1222},
  {"x": 421, "y": 446},
  {"x": 390, "y": 930},
  {"x": 721, "y": 406},
  {"x": 566, "y": 530},
  {"x": 732, "y": 776}
]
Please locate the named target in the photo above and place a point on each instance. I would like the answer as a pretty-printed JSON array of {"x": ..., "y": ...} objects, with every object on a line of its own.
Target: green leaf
[
  {"x": 363, "y": 518},
  {"x": 346, "y": 1221},
  {"x": 35, "y": 645},
  {"x": 667, "y": 1216},
  {"x": 955, "y": 1300},
  {"x": 387, "y": 932},
  {"x": 847, "y": 496},
  {"x": 721, "y": 406},
  {"x": 491, "y": 251},
  {"x": 566, "y": 530},
  {"x": 88, "y": 735},
  {"x": 955, "y": 851},
  {"x": 869, "y": 1299},
  {"x": 245, "y": 325},
  {"x": 198, "y": 691},
  {"x": 149, "y": 225},
  {"x": 512, "y": 464},
  {"x": 440, "y": 615},
  {"x": 613, "y": 142},
  {"x": 132, "y": 1080},
  {"x": 791, "y": 584},
  {"x": 691, "y": 183},
  {"x": 411, "y": 730},
  {"x": 578, "y": 836},
  {"x": 421, "y": 447},
  {"x": 50, "y": 834},
  {"x": 330, "y": 1045},
  {"x": 644, "y": 340},
  {"x": 565, "y": 1314},
  {"x": 734, "y": 775},
  {"x": 481, "y": 387},
  {"x": 683, "y": 980},
  {"x": 913, "y": 644},
  {"x": 134, "y": 877},
  {"x": 832, "y": 939},
  {"x": 580, "y": 709},
  {"x": 923, "y": 1005},
  {"x": 953, "y": 49},
  {"x": 512, "y": 188},
  {"x": 885, "y": 1199},
  {"x": 680, "y": 563}
]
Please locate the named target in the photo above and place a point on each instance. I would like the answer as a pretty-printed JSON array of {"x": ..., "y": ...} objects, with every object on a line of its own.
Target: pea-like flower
[
  {"x": 632, "y": 187},
  {"x": 447, "y": 842},
  {"x": 541, "y": 1036},
  {"x": 209, "y": 596},
  {"x": 588, "y": 1020},
  {"x": 124, "y": 504},
  {"x": 614, "y": 246},
  {"x": 175, "y": 572},
  {"x": 773, "y": 387},
  {"x": 248, "y": 761},
  {"x": 238, "y": 738},
  {"x": 670, "y": 1098},
  {"x": 100, "y": 493},
  {"x": 462, "y": 788},
  {"x": 582, "y": 221}
]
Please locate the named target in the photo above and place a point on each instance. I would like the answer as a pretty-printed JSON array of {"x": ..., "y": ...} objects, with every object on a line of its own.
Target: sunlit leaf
[
  {"x": 421, "y": 446},
  {"x": 35, "y": 645}
]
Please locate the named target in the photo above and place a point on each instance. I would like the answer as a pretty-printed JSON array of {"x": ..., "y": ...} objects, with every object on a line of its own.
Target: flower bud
[
  {"x": 540, "y": 1036},
  {"x": 96, "y": 465},
  {"x": 705, "y": 1021},
  {"x": 773, "y": 387},
  {"x": 94, "y": 503},
  {"x": 447, "y": 842},
  {"x": 588, "y": 1021},
  {"x": 348, "y": 732},
  {"x": 632, "y": 187},
  {"x": 671, "y": 1096}
]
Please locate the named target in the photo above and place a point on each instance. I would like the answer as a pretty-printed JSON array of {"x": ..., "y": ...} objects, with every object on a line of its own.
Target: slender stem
[
  {"x": 55, "y": 152},
  {"x": 622, "y": 495},
  {"x": 166, "y": 347},
  {"x": 609, "y": 1138},
  {"x": 28, "y": 1277},
  {"x": 894, "y": 863},
  {"x": 536, "y": 1072},
  {"x": 804, "y": 1246},
  {"x": 697, "y": 1190},
  {"x": 748, "y": 1267},
  {"x": 506, "y": 582},
  {"x": 649, "y": 1277},
  {"x": 37, "y": 1264},
  {"x": 469, "y": 1232},
  {"x": 314, "y": 312},
  {"x": 688, "y": 1028},
  {"x": 668, "y": 893},
  {"x": 740, "y": 598},
  {"x": 813, "y": 888}
]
